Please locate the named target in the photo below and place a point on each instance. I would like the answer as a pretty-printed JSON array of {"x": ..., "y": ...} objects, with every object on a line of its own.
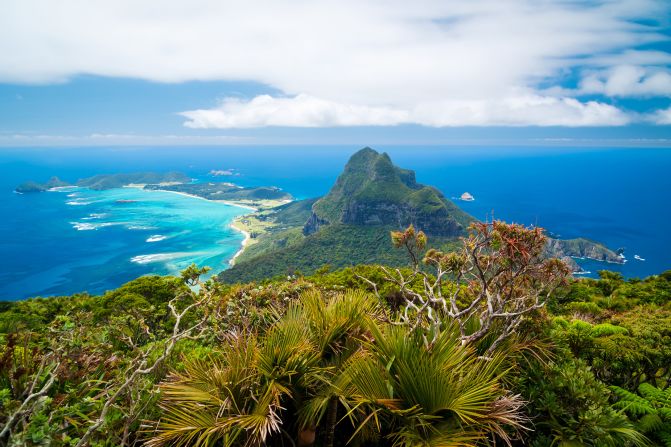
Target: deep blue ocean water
[{"x": 80, "y": 240}]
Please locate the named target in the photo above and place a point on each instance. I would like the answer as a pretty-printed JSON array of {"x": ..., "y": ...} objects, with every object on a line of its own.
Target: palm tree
[
  {"x": 266, "y": 386},
  {"x": 443, "y": 394}
]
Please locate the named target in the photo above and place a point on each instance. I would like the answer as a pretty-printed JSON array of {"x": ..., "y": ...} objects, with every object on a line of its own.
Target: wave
[
  {"x": 140, "y": 227},
  {"x": 88, "y": 226},
  {"x": 74, "y": 194},
  {"x": 62, "y": 188},
  {"x": 95, "y": 216},
  {"x": 77, "y": 202},
  {"x": 156, "y": 238},
  {"x": 158, "y": 257}
]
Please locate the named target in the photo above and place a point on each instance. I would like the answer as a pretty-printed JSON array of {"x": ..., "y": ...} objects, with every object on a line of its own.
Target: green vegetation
[
  {"x": 288, "y": 252},
  {"x": 490, "y": 342},
  {"x": 110, "y": 181},
  {"x": 30, "y": 186}
]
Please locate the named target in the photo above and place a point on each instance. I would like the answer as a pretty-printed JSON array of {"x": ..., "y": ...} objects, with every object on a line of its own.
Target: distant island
[
  {"x": 31, "y": 186},
  {"x": 256, "y": 198},
  {"x": 467, "y": 197},
  {"x": 107, "y": 181}
]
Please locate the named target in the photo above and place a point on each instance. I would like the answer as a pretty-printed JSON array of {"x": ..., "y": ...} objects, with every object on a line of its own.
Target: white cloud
[
  {"x": 628, "y": 81},
  {"x": 525, "y": 110},
  {"x": 308, "y": 111},
  {"x": 344, "y": 61},
  {"x": 662, "y": 117},
  {"x": 299, "y": 111}
]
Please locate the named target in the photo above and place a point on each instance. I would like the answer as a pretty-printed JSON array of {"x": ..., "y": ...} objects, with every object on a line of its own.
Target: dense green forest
[{"x": 489, "y": 344}]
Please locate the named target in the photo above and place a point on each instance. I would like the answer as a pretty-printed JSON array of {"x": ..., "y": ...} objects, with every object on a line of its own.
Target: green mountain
[{"x": 371, "y": 191}]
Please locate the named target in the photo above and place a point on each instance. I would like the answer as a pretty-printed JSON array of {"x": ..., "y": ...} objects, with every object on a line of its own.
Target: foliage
[
  {"x": 650, "y": 408},
  {"x": 87, "y": 376},
  {"x": 265, "y": 387},
  {"x": 499, "y": 277},
  {"x": 624, "y": 337},
  {"x": 337, "y": 244},
  {"x": 322, "y": 354},
  {"x": 407, "y": 393},
  {"x": 571, "y": 409}
]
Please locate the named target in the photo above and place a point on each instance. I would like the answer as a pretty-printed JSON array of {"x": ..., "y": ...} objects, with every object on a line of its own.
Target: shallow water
[{"x": 80, "y": 239}]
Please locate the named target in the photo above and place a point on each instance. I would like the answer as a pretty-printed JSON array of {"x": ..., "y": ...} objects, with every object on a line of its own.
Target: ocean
[{"x": 75, "y": 240}]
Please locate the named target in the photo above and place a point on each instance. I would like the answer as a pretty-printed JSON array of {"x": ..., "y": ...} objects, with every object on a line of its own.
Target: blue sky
[{"x": 288, "y": 72}]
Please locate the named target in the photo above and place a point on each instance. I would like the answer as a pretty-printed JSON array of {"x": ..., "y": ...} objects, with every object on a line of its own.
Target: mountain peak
[{"x": 372, "y": 191}]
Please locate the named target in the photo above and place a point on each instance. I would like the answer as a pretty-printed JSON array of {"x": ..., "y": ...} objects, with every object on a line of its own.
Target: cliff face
[
  {"x": 435, "y": 222},
  {"x": 313, "y": 224},
  {"x": 581, "y": 248},
  {"x": 371, "y": 191}
]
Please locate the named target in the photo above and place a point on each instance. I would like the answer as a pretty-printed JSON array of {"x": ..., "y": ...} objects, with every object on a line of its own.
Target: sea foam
[
  {"x": 95, "y": 216},
  {"x": 88, "y": 226},
  {"x": 140, "y": 227},
  {"x": 158, "y": 257},
  {"x": 156, "y": 238}
]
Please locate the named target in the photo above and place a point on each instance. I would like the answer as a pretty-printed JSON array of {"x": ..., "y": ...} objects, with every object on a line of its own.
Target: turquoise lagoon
[{"x": 96, "y": 240}]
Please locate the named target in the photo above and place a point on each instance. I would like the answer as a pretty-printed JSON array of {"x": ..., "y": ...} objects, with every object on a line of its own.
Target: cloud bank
[
  {"x": 348, "y": 63},
  {"x": 308, "y": 111}
]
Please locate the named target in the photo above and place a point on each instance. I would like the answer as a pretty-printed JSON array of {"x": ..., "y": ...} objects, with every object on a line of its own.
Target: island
[
  {"x": 350, "y": 225},
  {"x": 467, "y": 197},
  {"x": 254, "y": 198},
  {"x": 582, "y": 248},
  {"x": 103, "y": 182},
  {"x": 110, "y": 181},
  {"x": 31, "y": 186}
]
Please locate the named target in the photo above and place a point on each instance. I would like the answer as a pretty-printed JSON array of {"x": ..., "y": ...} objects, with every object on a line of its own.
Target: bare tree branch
[{"x": 499, "y": 276}]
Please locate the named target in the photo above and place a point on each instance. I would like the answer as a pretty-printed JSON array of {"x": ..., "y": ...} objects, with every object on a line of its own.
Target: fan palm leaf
[{"x": 433, "y": 395}]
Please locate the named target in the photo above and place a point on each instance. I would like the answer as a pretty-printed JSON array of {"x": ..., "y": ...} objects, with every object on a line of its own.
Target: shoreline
[
  {"x": 193, "y": 196},
  {"x": 244, "y": 243},
  {"x": 246, "y": 234},
  {"x": 235, "y": 223}
]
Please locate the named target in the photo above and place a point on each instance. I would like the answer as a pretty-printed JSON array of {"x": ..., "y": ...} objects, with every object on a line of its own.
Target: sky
[{"x": 146, "y": 72}]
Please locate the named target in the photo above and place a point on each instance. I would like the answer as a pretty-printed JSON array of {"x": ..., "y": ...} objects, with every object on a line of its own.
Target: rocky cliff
[{"x": 581, "y": 248}]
